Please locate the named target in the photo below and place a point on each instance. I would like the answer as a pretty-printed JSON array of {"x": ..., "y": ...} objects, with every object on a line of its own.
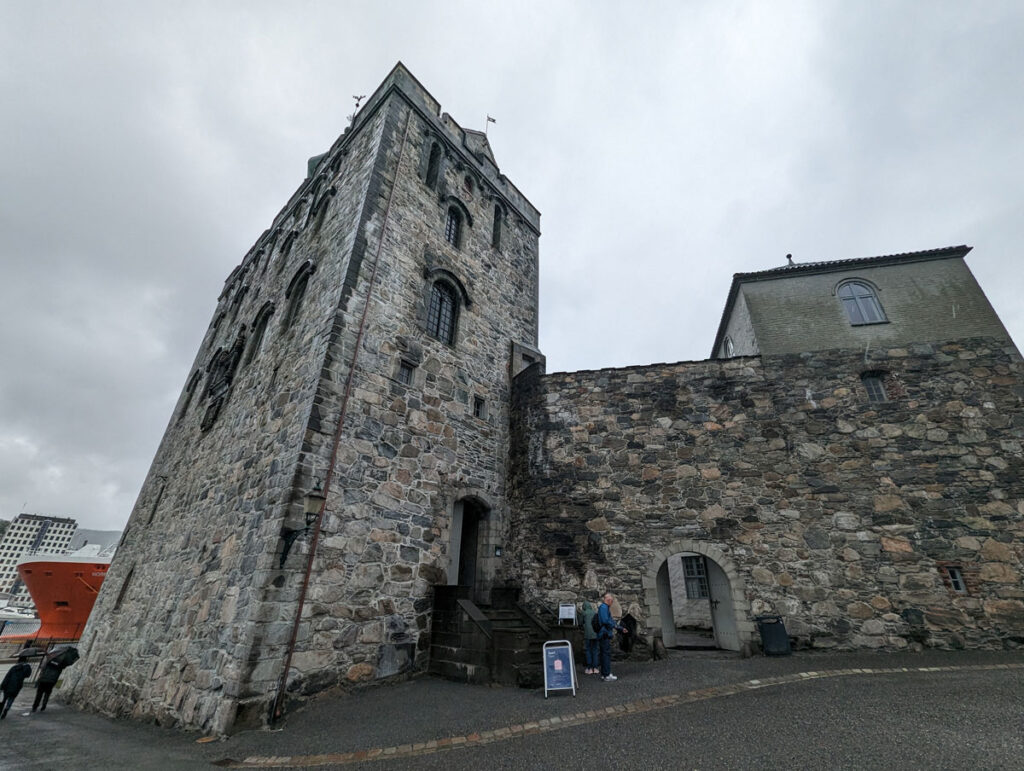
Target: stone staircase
[{"x": 498, "y": 643}]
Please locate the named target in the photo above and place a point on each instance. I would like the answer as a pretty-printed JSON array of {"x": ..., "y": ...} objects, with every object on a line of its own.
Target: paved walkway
[{"x": 426, "y": 717}]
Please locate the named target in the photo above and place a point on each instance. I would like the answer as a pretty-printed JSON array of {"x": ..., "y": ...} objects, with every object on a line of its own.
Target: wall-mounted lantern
[{"x": 312, "y": 504}]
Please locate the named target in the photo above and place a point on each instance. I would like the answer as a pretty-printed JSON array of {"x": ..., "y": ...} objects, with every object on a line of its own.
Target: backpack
[{"x": 595, "y": 622}]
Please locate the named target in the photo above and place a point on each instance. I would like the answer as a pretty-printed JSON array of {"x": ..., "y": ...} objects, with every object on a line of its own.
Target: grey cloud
[{"x": 147, "y": 146}]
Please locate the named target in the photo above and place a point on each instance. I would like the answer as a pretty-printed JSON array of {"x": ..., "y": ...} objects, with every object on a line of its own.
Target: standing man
[{"x": 608, "y": 627}]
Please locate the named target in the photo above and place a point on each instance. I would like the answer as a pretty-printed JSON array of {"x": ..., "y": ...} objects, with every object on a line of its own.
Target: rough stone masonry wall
[
  {"x": 836, "y": 513},
  {"x": 190, "y": 620},
  {"x": 195, "y": 617},
  {"x": 409, "y": 452}
]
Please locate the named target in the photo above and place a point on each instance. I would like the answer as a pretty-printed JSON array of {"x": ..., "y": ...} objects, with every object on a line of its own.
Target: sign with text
[
  {"x": 559, "y": 668},
  {"x": 567, "y": 613}
]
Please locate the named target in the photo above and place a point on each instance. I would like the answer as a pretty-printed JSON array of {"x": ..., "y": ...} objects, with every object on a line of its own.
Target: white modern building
[{"x": 30, "y": 533}]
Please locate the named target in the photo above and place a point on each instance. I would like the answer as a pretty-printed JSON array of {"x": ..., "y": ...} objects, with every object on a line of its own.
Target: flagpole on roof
[{"x": 487, "y": 124}]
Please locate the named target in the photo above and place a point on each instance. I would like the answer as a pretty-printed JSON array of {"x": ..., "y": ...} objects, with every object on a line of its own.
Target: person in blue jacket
[{"x": 604, "y": 637}]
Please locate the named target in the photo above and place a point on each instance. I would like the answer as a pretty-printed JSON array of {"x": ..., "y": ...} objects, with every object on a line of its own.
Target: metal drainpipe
[{"x": 278, "y": 709}]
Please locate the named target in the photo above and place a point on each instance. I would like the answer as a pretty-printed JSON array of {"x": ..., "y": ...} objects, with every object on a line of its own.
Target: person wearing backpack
[
  {"x": 591, "y": 647},
  {"x": 608, "y": 628}
]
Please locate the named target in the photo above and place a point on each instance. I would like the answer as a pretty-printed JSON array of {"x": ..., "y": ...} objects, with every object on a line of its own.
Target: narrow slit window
[
  {"x": 433, "y": 165},
  {"x": 405, "y": 370},
  {"x": 955, "y": 576},
  {"x": 453, "y": 227},
  {"x": 874, "y": 384},
  {"x": 124, "y": 589},
  {"x": 496, "y": 228},
  {"x": 479, "y": 407}
]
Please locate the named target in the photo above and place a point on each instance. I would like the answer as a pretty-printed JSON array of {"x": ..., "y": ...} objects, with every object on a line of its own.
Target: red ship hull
[{"x": 64, "y": 588}]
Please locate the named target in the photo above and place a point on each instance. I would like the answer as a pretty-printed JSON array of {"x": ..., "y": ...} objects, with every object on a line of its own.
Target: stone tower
[{"x": 365, "y": 345}]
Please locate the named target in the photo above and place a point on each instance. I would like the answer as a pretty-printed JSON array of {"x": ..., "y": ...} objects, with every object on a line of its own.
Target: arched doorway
[
  {"x": 469, "y": 516},
  {"x": 713, "y": 592}
]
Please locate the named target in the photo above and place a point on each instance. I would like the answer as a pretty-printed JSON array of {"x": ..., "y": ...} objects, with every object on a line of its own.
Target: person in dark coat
[
  {"x": 590, "y": 642},
  {"x": 11, "y": 686},
  {"x": 47, "y": 679}
]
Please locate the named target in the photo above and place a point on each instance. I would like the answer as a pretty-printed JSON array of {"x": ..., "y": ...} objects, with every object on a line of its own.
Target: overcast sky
[{"x": 145, "y": 146}]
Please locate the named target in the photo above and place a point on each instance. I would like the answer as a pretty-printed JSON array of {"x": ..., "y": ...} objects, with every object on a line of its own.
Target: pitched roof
[{"x": 799, "y": 268}]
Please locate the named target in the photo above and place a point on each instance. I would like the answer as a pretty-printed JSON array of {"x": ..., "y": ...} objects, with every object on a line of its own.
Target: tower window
[
  {"x": 874, "y": 384},
  {"x": 496, "y": 228},
  {"x": 405, "y": 370},
  {"x": 442, "y": 313},
  {"x": 955, "y": 578},
  {"x": 861, "y": 303},
  {"x": 453, "y": 227},
  {"x": 259, "y": 332},
  {"x": 730, "y": 349},
  {"x": 479, "y": 408},
  {"x": 296, "y": 292},
  {"x": 433, "y": 165}
]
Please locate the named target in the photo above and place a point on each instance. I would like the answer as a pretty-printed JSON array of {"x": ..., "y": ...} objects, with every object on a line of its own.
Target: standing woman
[{"x": 590, "y": 644}]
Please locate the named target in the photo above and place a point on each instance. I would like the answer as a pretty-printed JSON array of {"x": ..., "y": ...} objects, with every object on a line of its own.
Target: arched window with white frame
[{"x": 860, "y": 301}]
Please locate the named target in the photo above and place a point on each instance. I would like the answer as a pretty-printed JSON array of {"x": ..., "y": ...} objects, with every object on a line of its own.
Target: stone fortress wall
[{"x": 836, "y": 513}]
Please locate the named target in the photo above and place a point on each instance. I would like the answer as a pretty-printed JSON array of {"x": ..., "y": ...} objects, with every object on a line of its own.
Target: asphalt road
[
  {"x": 927, "y": 721},
  {"x": 689, "y": 712}
]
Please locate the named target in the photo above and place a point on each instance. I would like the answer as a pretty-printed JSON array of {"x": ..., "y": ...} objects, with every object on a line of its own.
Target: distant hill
[{"x": 103, "y": 537}]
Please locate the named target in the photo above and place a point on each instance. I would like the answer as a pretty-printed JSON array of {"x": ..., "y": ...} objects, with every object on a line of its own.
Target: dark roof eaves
[{"x": 830, "y": 266}]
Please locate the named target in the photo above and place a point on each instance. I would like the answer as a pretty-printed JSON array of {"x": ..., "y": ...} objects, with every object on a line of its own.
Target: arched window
[
  {"x": 236, "y": 303},
  {"x": 728, "y": 346},
  {"x": 216, "y": 327},
  {"x": 286, "y": 247},
  {"x": 259, "y": 332},
  {"x": 861, "y": 303},
  {"x": 496, "y": 227},
  {"x": 443, "y": 312},
  {"x": 453, "y": 227},
  {"x": 296, "y": 292},
  {"x": 433, "y": 166},
  {"x": 319, "y": 210}
]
